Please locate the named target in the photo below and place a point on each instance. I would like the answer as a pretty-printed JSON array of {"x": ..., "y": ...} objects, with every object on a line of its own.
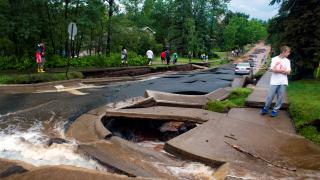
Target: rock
[
  {"x": 56, "y": 141},
  {"x": 172, "y": 126}
]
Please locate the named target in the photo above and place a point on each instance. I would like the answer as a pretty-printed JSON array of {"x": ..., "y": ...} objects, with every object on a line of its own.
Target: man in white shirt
[
  {"x": 280, "y": 67},
  {"x": 149, "y": 56}
]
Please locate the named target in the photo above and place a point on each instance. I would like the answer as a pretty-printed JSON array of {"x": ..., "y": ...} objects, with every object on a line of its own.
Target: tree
[{"x": 297, "y": 25}]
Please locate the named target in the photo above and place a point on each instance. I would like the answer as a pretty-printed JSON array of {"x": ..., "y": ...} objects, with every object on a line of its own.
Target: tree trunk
[
  {"x": 66, "y": 24},
  {"x": 108, "y": 50},
  {"x": 50, "y": 29}
]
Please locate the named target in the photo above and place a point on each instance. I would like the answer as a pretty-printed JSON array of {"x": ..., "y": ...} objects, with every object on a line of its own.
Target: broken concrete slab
[
  {"x": 136, "y": 102},
  {"x": 68, "y": 173},
  {"x": 282, "y": 122},
  {"x": 179, "y": 100},
  {"x": 163, "y": 113},
  {"x": 284, "y": 150},
  {"x": 195, "y": 66},
  {"x": 128, "y": 158},
  {"x": 87, "y": 128},
  {"x": 205, "y": 143},
  {"x": 260, "y": 170},
  {"x": 209, "y": 144},
  {"x": 238, "y": 82},
  {"x": 218, "y": 94},
  {"x": 258, "y": 96},
  {"x": 264, "y": 81},
  {"x": 11, "y": 167}
]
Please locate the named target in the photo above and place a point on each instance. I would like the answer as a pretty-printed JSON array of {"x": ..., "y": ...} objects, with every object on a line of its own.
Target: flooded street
[{"x": 29, "y": 121}]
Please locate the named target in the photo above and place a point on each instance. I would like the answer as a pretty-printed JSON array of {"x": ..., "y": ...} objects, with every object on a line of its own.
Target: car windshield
[{"x": 243, "y": 65}]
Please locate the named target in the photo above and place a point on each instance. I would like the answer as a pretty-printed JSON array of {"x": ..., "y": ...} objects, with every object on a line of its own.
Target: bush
[{"x": 7, "y": 62}]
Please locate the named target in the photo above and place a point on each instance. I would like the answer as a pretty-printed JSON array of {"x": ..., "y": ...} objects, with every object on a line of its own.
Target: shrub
[{"x": 7, "y": 62}]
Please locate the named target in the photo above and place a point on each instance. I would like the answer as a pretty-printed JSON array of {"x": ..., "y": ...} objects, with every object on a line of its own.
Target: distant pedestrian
[
  {"x": 280, "y": 68},
  {"x": 203, "y": 56},
  {"x": 175, "y": 57},
  {"x": 124, "y": 56},
  {"x": 163, "y": 57},
  {"x": 38, "y": 58},
  {"x": 189, "y": 56},
  {"x": 149, "y": 56},
  {"x": 43, "y": 53},
  {"x": 168, "y": 56}
]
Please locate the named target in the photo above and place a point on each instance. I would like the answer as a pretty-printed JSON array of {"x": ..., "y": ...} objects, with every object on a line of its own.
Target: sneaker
[
  {"x": 274, "y": 113},
  {"x": 264, "y": 111}
]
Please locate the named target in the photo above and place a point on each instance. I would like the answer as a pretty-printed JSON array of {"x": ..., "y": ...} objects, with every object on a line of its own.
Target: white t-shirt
[
  {"x": 149, "y": 54},
  {"x": 279, "y": 78}
]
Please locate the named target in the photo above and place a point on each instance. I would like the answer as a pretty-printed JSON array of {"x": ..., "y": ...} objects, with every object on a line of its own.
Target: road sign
[{"x": 72, "y": 30}]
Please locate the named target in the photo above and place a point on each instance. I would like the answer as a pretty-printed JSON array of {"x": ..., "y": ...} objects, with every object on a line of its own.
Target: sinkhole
[{"x": 139, "y": 130}]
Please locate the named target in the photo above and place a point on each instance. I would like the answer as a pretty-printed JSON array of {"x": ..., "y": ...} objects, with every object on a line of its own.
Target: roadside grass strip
[
  {"x": 304, "y": 98},
  {"x": 236, "y": 98}
]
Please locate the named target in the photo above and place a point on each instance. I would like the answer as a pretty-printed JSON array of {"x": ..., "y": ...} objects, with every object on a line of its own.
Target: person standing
[
  {"x": 175, "y": 57},
  {"x": 163, "y": 57},
  {"x": 149, "y": 56},
  {"x": 280, "y": 68},
  {"x": 42, "y": 53},
  {"x": 38, "y": 58},
  {"x": 124, "y": 56},
  {"x": 189, "y": 56},
  {"x": 168, "y": 56}
]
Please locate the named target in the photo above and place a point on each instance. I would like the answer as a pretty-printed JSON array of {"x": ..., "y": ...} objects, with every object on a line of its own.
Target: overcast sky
[{"x": 259, "y": 9}]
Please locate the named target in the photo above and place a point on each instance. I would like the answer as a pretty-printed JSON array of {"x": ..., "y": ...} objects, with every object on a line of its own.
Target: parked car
[{"x": 243, "y": 68}]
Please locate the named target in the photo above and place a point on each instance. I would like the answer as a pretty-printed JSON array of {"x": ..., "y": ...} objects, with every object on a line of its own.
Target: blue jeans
[{"x": 278, "y": 91}]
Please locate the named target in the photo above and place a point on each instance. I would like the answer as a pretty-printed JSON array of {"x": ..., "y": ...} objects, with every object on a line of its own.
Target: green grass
[
  {"x": 222, "y": 55},
  {"x": 236, "y": 98},
  {"x": 304, "y": 98},
  {"x": 36, "y": 78}
]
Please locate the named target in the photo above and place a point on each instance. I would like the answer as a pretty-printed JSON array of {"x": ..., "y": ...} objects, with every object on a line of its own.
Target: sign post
[{"x": 72, "y": 31}]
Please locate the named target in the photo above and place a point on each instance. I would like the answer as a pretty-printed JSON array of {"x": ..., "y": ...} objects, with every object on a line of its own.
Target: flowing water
[
  {"x": 28, "y": 121},
  {"x": 31, "y": 146}
]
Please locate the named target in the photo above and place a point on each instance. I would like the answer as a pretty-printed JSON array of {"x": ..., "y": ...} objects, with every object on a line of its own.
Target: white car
[{"x": 243, "y": 68}]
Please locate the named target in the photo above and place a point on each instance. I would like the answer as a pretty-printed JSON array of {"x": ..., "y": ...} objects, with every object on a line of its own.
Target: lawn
[{"x": 304, "y": 98}]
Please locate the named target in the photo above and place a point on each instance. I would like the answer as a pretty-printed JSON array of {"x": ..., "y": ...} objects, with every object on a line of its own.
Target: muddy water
[
  {"x": 28, "y": 121},
  {"x": 189, "y": 170}
]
